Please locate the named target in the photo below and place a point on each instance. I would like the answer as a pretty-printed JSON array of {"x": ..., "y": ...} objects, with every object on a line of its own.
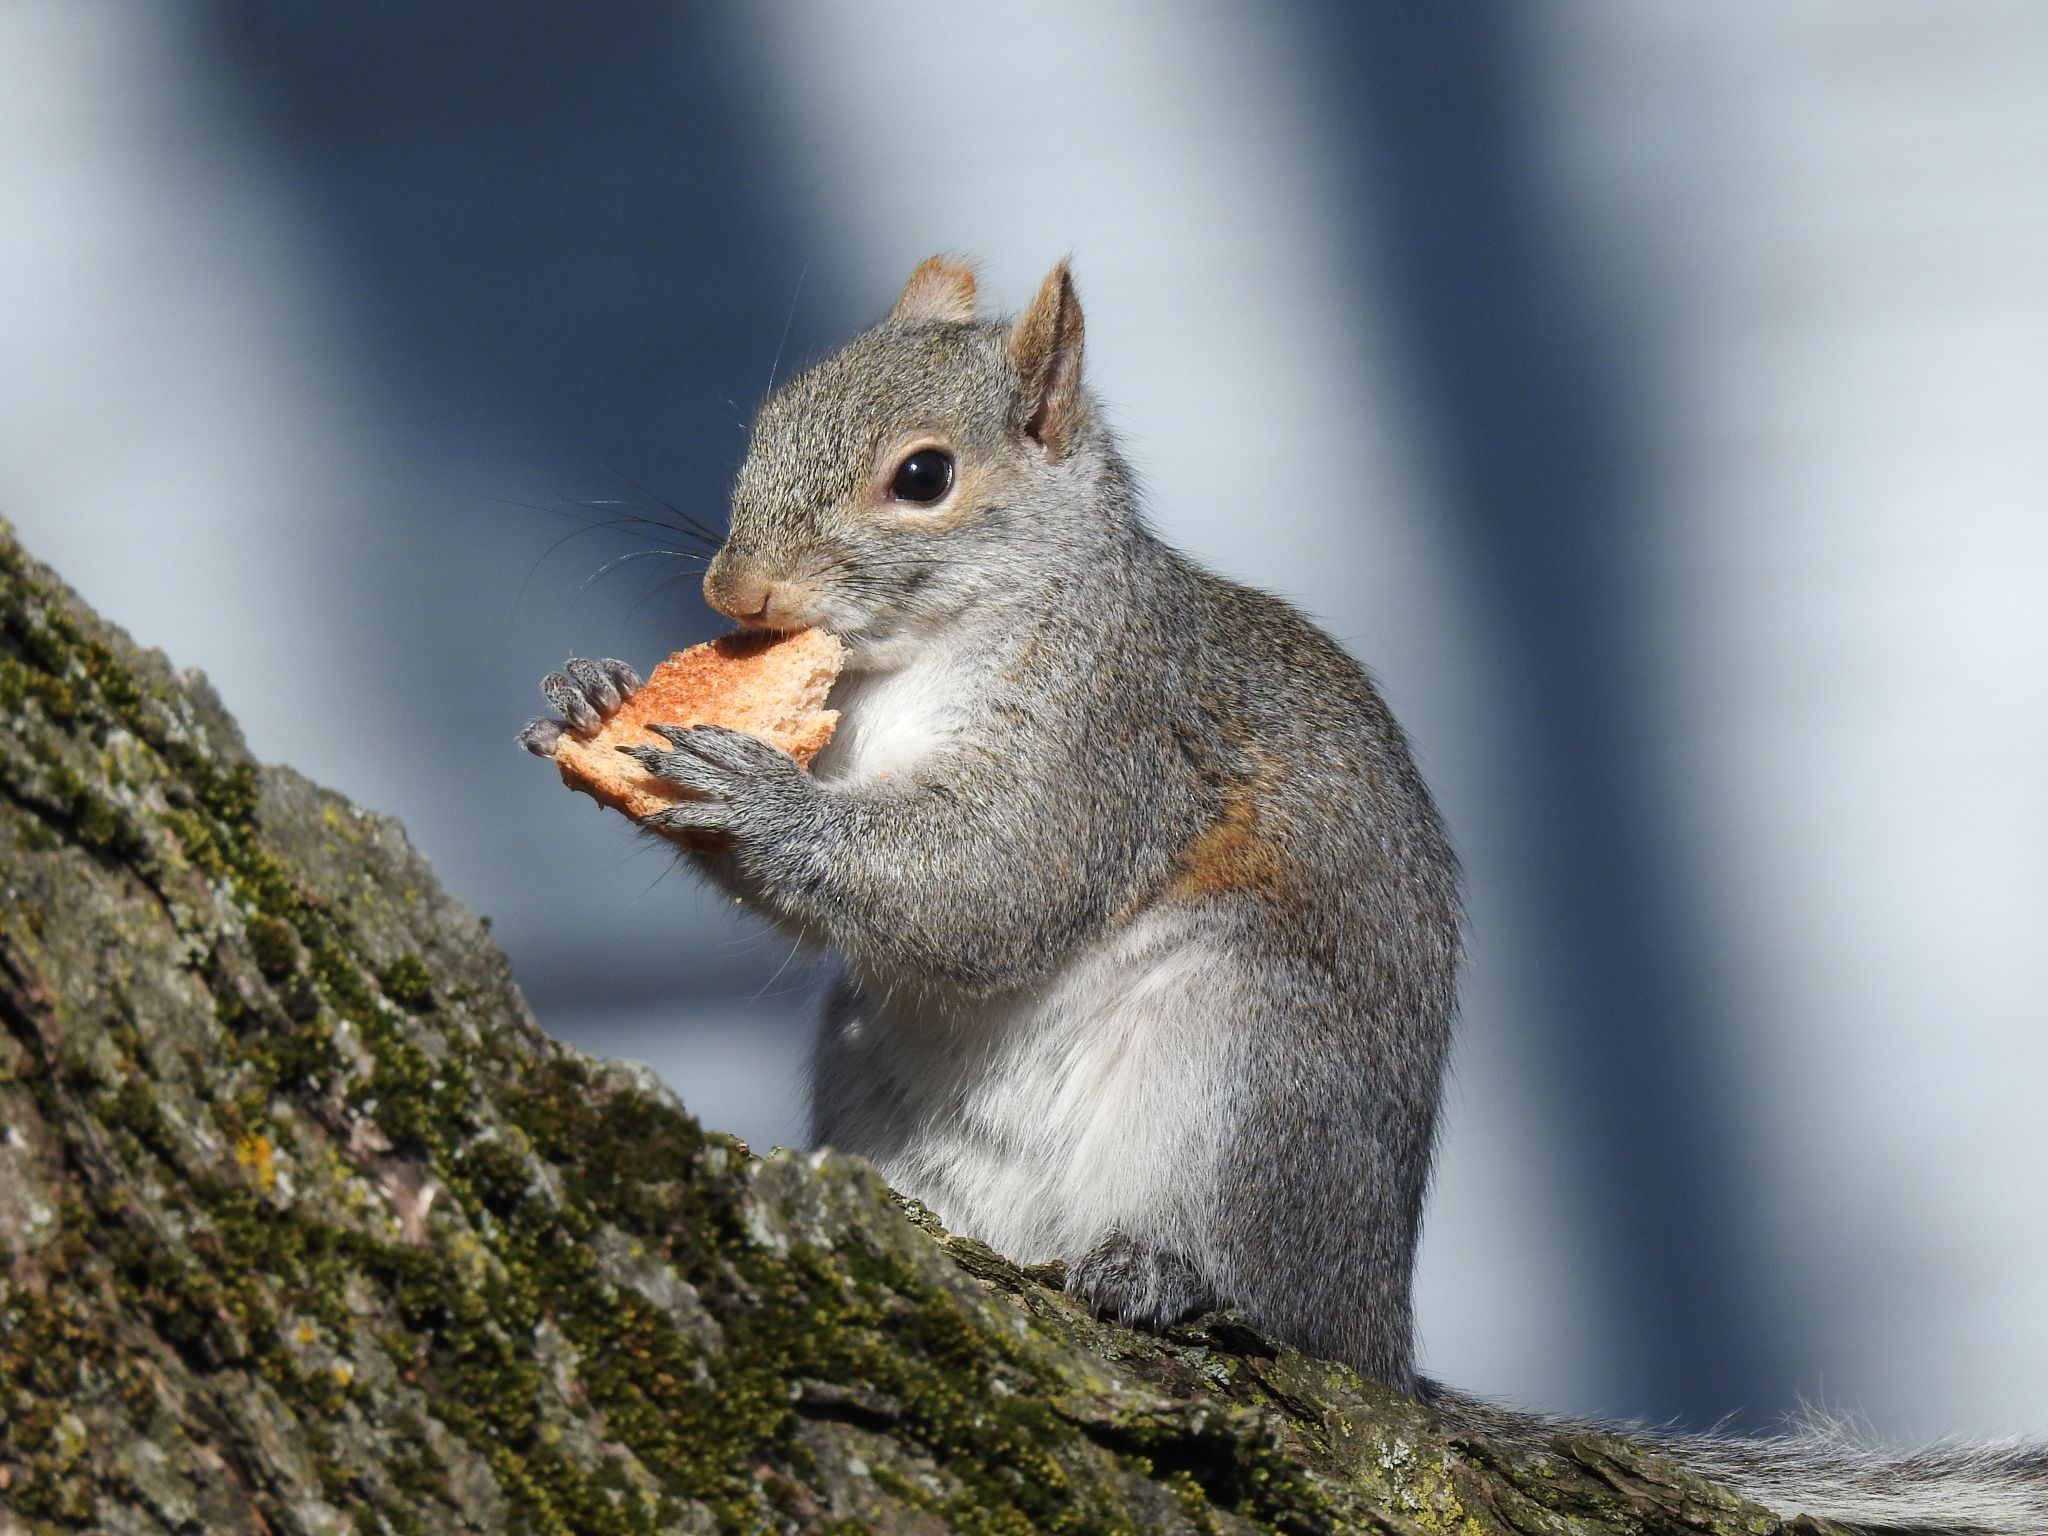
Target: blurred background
[{"x": 1656, "y": 397}]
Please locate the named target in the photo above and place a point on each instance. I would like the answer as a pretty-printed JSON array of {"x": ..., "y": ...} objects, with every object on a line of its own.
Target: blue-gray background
[{"x": 1656, "y": 396}]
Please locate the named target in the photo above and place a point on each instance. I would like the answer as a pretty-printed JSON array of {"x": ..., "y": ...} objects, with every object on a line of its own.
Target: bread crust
[{"x": 769, "y": 686}]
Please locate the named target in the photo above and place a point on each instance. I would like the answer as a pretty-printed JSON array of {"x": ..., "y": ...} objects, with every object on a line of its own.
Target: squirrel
[{"x": 1144, "y": 929}]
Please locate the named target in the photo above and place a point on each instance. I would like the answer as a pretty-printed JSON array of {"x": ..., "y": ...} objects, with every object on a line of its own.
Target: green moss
[
  {"x": 415, "y": 1470},
  {"x": 19, "y": 683},
  {"x": 133, "y": 1108},
  {"x": 229, "y": 792},
  {"x": 300, "y": 1056},
  {"x": 51, "y": 1342},
  {"x": 97, "y": 820},
  {"x": 408, "y": 982},
  {"x": 275, "y": 944}
]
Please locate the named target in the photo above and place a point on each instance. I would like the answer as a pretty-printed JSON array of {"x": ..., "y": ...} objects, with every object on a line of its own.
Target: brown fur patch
[
  {"x": 938, "y": 290},
  {"x": 1231, "y": 854},
  {"x": 1020, "y": 664}
]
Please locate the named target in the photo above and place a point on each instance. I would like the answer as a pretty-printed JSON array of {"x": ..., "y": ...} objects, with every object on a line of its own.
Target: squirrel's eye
[{"x": 925, "y": 476}]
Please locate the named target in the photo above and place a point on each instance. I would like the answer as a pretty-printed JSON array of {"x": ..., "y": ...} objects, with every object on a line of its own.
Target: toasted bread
[{"x": 770, "y": 686}]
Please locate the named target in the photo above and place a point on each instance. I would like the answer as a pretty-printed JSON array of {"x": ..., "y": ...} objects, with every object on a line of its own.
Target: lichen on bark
[{"x": 305, "y": 1226}]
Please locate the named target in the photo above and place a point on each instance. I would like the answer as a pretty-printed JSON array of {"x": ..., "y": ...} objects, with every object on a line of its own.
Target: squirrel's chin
[
  {"x": 873, "y": 648},
  {"x": 885, "y": 641}
]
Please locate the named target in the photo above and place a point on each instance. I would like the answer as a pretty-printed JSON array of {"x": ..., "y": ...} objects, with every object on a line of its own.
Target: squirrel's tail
[{"x": 1998, "y": 1489}]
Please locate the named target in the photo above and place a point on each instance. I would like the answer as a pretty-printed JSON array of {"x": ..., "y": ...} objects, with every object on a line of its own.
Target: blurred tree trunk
[{"x": 306, "y": 1227}]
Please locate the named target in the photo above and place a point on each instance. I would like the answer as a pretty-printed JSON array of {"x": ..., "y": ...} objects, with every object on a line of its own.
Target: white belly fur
[
  {"x": 891, "y": 721},
  {"x": 1039, "y": 1122}
]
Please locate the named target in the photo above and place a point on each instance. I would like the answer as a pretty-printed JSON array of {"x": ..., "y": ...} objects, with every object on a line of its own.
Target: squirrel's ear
[
  {"x": 938, "y": 290},
  {"x": 1045, "y": 344}
]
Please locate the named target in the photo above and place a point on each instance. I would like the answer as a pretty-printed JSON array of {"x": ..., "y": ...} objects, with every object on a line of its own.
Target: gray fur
[
  {"x": 1144, "y": 1286},
  {"x": 1121, "y": 705},
  {"x": 1145, "y": 927},
  {"x": 1996, "y": 1489}
]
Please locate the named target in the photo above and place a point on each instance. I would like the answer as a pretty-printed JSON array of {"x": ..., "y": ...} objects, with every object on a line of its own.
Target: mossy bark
[{"x": 305, "y": 1226}]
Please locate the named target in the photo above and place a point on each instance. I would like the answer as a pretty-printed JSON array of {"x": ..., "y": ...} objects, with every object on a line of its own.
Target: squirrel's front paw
[
  {"x": 1126, "y": 1281},
  {"x": 584, "y": 694},
  {"x": 741, "y": 782}
]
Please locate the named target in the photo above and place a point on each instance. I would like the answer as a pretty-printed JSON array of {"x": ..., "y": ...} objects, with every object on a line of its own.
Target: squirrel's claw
[
  {"x": 542, "y": 735},
  {"x": 1129, "y": 1282},
  {"x": 605, "y": 684},
  {"x": 680, "y": 767},
  {"x": 585, "y": 694},
  {"x": 560, "y": 690},
  {"x": 709, "y": 759},
  {"x": 734, "y": 752},
  {"x": 739, "y": 779},
  {"x": 751, "y": 795},
  {"x": 588, "y": 693}
]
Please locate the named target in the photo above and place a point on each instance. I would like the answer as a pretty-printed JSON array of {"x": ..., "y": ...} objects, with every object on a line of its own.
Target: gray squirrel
[{"x": 1144, "y": 929}]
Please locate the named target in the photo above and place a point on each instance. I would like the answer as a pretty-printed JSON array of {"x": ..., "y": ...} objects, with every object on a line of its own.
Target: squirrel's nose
[{"x": 741, "y": 597}]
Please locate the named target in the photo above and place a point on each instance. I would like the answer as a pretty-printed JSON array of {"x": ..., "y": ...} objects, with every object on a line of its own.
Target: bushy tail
[{"x": 1998, "y": 1489}]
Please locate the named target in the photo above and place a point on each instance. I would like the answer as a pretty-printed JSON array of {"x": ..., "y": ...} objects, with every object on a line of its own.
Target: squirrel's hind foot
[{"x": 1123, "y": 1280}]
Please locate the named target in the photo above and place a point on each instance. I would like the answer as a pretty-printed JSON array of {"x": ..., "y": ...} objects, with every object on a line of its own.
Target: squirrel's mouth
[
  {"x": 764, "y": 595},
  {"x": 782, "y": 608}
]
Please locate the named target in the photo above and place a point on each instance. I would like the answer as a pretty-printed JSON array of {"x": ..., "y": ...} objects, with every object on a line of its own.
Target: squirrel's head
[{"x": 931, "y": 463}]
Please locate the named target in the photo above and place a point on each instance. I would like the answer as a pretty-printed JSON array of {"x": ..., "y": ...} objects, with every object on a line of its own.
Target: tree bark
[{"x": 305, "y": 1226}]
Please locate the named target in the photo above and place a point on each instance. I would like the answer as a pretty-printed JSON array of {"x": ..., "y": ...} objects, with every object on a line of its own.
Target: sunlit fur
[
  {"x": 1145, "y": 932},
  {"x": 1144, "y": 921},
  {"x": 811, "y": 511},
  {"x": 1819, "y": 1468}
]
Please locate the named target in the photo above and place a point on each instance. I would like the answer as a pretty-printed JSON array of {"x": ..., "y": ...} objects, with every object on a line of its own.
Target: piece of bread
[{"x": 770, "y": 686}]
